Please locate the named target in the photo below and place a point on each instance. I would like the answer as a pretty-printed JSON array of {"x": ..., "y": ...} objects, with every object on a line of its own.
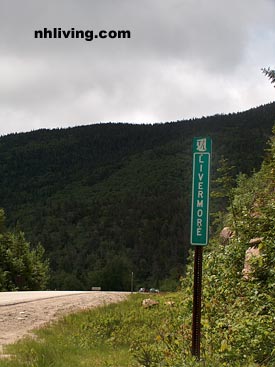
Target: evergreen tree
[
  {"x": 21, "y": 268},
  {"x": 222, "y": 193},
  {"x": 270, "y": 74}
]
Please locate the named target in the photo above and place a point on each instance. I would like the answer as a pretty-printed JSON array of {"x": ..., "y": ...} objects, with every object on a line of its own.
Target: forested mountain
[{"x": 107, "y": 200}]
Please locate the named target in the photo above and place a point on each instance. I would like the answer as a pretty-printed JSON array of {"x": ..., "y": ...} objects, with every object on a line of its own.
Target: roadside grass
[
  {"x": 128, "y": 335},
  {"x": 115, "y": 335}
]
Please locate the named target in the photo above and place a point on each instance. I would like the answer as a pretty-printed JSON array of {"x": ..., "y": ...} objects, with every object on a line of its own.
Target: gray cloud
[{"x": 185, "y": 59}]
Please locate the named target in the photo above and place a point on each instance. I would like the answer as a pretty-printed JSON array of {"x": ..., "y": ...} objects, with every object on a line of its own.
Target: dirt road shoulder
[{"x": 18, "y": 320}]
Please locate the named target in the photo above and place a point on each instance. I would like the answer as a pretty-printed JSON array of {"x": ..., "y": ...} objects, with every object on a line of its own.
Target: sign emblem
[{"x": 201, "y": 145}]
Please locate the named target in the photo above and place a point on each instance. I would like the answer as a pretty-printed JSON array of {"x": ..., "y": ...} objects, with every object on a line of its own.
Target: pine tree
[
  {"x": 21, "y": 267},
  {"x": 270, "y": 74}
]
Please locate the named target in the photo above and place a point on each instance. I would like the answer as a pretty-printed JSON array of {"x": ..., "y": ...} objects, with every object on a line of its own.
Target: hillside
[{"x": 108, "y": 199}]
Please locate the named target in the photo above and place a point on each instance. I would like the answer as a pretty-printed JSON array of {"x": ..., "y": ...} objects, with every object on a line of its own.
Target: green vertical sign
[{"x": 200, "y": 191}]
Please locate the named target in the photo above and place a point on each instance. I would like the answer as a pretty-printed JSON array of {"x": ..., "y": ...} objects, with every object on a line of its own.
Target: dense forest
[{"x": 106, "y": 200}]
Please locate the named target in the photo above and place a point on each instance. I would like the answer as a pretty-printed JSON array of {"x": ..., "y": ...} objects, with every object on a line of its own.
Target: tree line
[{"x": 107, "y": 200}]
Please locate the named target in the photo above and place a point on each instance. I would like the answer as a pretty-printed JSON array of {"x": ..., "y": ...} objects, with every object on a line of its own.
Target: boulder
[
  {"x": 170, "y": 303},
  {"x": 250, "y": 252},
  {"x": 148, "y": 302},
  {"x": 256, "y": 241},
  {"x": 225, "y": 235}
]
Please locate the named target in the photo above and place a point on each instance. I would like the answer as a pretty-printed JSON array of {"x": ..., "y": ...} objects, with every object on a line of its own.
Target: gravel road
[{"x": 20, "y": 312}]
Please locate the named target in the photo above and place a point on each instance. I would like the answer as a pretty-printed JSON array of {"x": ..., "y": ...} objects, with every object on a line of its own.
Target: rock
[
  {"x": 6, "y": 356},
  {"x": 225, "y": 235},
  {"x": 170, "y": 303},
  {"x": 256, "y": 241},
  {"x": 250, "y": 252},
  {"x": 148, "y": 302}
]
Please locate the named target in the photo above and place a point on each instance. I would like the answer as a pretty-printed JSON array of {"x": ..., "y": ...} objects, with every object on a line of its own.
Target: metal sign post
[
  {"x": 202, "y": 148},
  {"x": 132, "y": 282},
  {"x": 196, "y": 325}
]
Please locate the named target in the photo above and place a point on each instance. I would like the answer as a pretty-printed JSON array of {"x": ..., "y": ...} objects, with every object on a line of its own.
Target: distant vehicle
[
  {"x": 151, "y": 290},
  {"x": 154, "y": 290},
  {"x": 96, "y": 289},
  {"x": 142, "y": 290}
]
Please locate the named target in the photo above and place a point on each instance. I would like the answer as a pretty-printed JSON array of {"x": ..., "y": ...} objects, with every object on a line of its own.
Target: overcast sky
[{"x": 185, "y": 59}]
